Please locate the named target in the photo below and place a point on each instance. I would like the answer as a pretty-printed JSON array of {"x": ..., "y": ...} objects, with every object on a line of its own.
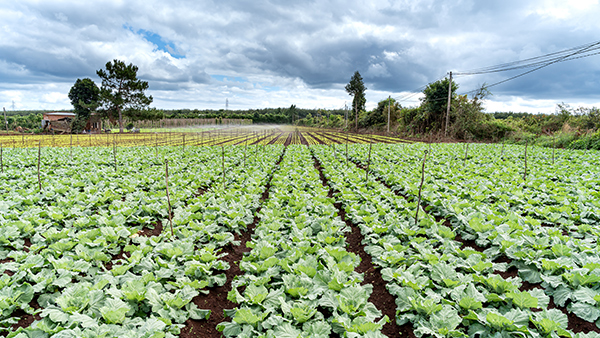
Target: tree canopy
[
  {"x": 84, "y": 96},
  {"x": 122, "y": 93},
  {"x": 356, "y": 88}
]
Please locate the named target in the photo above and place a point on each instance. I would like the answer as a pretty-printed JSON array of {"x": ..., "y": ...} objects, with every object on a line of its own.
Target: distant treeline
[{"x": 266, "y": 115}]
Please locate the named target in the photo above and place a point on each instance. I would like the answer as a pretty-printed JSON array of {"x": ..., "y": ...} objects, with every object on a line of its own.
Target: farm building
[
  {"x": 58, "y": 121},
  {"x": 61, "y": 122}
]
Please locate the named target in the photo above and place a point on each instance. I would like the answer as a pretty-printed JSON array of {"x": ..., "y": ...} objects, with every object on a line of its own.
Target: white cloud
[{"x": 294, "y": 52}]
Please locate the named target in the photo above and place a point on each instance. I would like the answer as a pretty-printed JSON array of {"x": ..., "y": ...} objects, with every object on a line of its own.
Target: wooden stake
[
  {"x": 466, "y": 154},
  {"x": 525, "y": 174},
  {"x": 115, "y": 153},
  {"x": 38, "y": 166},
  {"x": 368, "y": 163},
  {"x": 553, "y": 148},
  {"x": 71, "y": 147},
  {"x": 245, "y": 148},
  {"x": 346, "y": 148},
  {"x": 502, "y": 152},
  {"x": 168, "y": 198},
  {"x": 223, "y": 161},
  {"x": 1, "y": 163},
  {"x": 183, "y": 141},
  {"x": 420, "y": 189}
]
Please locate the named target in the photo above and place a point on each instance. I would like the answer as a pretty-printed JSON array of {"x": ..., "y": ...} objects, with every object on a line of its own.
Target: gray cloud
[{"x": 312, "y": 46}]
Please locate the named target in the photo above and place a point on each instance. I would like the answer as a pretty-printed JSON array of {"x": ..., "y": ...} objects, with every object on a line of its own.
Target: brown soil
[
  {"x": 381, "y": 297},
  {"x": 275, "y": 139},
  {"x": 302, "y": 139},
  {"x": 313, "y": 135},
  {"x": 288, "y": 141},
  {"x": 158, "y": 228},
  {"x": 216, "y": 300}
]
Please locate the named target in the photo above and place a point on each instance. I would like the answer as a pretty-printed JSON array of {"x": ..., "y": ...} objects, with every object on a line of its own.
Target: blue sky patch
[{"x": 160, "y": 42}]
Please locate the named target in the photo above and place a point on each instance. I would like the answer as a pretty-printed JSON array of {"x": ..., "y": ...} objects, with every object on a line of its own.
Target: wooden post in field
[
  {"x": 38, "y": 166},
  {"x": 245, "y": 148},
  {"x": 368, "y": 163},
  {"x": 525, "y": 173},
  {"x": 346, "y": 148},
  {"x": 466, "y": 154},
  {"x": 553, "y": 148},
  {"x": 168, "y": 198},
  {"x": 183, "y": 142},
  {"x": 223, "y": 161},
  {"x": 90, "y": 138},
  {"x": 420, "y": 189},
  {"x": 1, "y": 163},
  {"x": 502, "y": 152},
  {"x": 71, "y": 147},
  {"x": 115, "y": 153}
]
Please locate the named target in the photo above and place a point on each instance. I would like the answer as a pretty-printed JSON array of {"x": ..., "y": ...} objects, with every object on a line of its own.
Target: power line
[{"x": 546, "y": 59}]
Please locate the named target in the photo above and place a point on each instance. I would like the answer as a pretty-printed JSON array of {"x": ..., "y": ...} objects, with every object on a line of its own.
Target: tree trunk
[{"x": 120, "y": 120}]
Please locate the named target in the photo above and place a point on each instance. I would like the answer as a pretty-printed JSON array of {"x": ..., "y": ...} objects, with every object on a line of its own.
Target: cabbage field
[{"x": 318, "y": 237}]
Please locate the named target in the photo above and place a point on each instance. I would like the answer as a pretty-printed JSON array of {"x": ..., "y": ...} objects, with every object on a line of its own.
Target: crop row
[
  {"x": 299, "y": 280},
  {"x": 77, "y": 255},
  {"x": 441, "y": 287}
]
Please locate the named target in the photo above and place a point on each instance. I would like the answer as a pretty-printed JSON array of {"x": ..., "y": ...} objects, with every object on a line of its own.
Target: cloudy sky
[{"x": 257, "y": 54}]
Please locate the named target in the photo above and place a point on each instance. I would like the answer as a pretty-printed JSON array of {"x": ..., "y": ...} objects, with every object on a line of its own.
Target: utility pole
[
  {"x": 448, "y": 107},
  {"x": 389, "y": 103}
]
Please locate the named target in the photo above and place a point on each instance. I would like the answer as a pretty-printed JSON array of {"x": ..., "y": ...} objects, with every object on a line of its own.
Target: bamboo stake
[
  {"x": 553, "y": 148},
  {"x": 368, "y": 163},
  {"x": 38, "y": 166},
  {"x": 71, "y": 147},
  {"x": 525, "y": 174},
  {"x": 245, "y": 148},
  {"x": 420, "y": 189},
  {"x": 168, "y": 198},
  {"x": 466, "y": 154},
  {"x": 115, "y": 153},
  {"x": 1, "y": 163},
  {"x": 223, "y": 161}
]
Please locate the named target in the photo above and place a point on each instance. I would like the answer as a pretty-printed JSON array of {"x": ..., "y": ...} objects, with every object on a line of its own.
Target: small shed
[
  {"x": 58, "y": 121},
  {"x": 94, "y": 124}
]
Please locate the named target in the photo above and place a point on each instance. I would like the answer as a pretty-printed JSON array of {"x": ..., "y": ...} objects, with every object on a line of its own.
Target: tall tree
[
  {"x": 356, "y": 88},
  {"x": 434, "y": 104},
  {"x": 84, "y": 97},
  {"x": 122, "y": 93}
]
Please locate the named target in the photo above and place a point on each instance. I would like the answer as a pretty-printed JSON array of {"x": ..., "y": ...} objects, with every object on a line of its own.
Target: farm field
[
  {"x": 199, "y": 136},
  {"x": 301, "y": 239}
]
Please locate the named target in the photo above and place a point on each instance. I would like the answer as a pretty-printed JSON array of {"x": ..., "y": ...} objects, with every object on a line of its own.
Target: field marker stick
[
  {"x": 23, "y": 139},
  {"x": 71, "y": 147},
  {"x": 1, "y": 163},
  {"x": 38, "y": 166},
  {"x": 90, "y": 138},
  {"x": 168, "y": 198},
  {"x": 183, "y": 141},
  {"x": 525, "y": 174},
  {"x": 115, "y": 153},
  {"x": 466, "y": 154},
  {"x": 420, "y": 189},
  {"x": 368, "y": 163},
  {"x": 553, "y": 148},
  {"x": 346, "y": 148},
  {"x": 245, "y": 148},
  {"x": 223, "y": 161},
  {"x": 502, "y": 152}
]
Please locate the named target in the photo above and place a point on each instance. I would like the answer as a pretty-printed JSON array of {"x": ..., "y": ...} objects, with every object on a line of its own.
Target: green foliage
[
  {"x": 84, "y": 96},
  {"x": 356, "y": 88},
  {"x": 122, "y": 93}
]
